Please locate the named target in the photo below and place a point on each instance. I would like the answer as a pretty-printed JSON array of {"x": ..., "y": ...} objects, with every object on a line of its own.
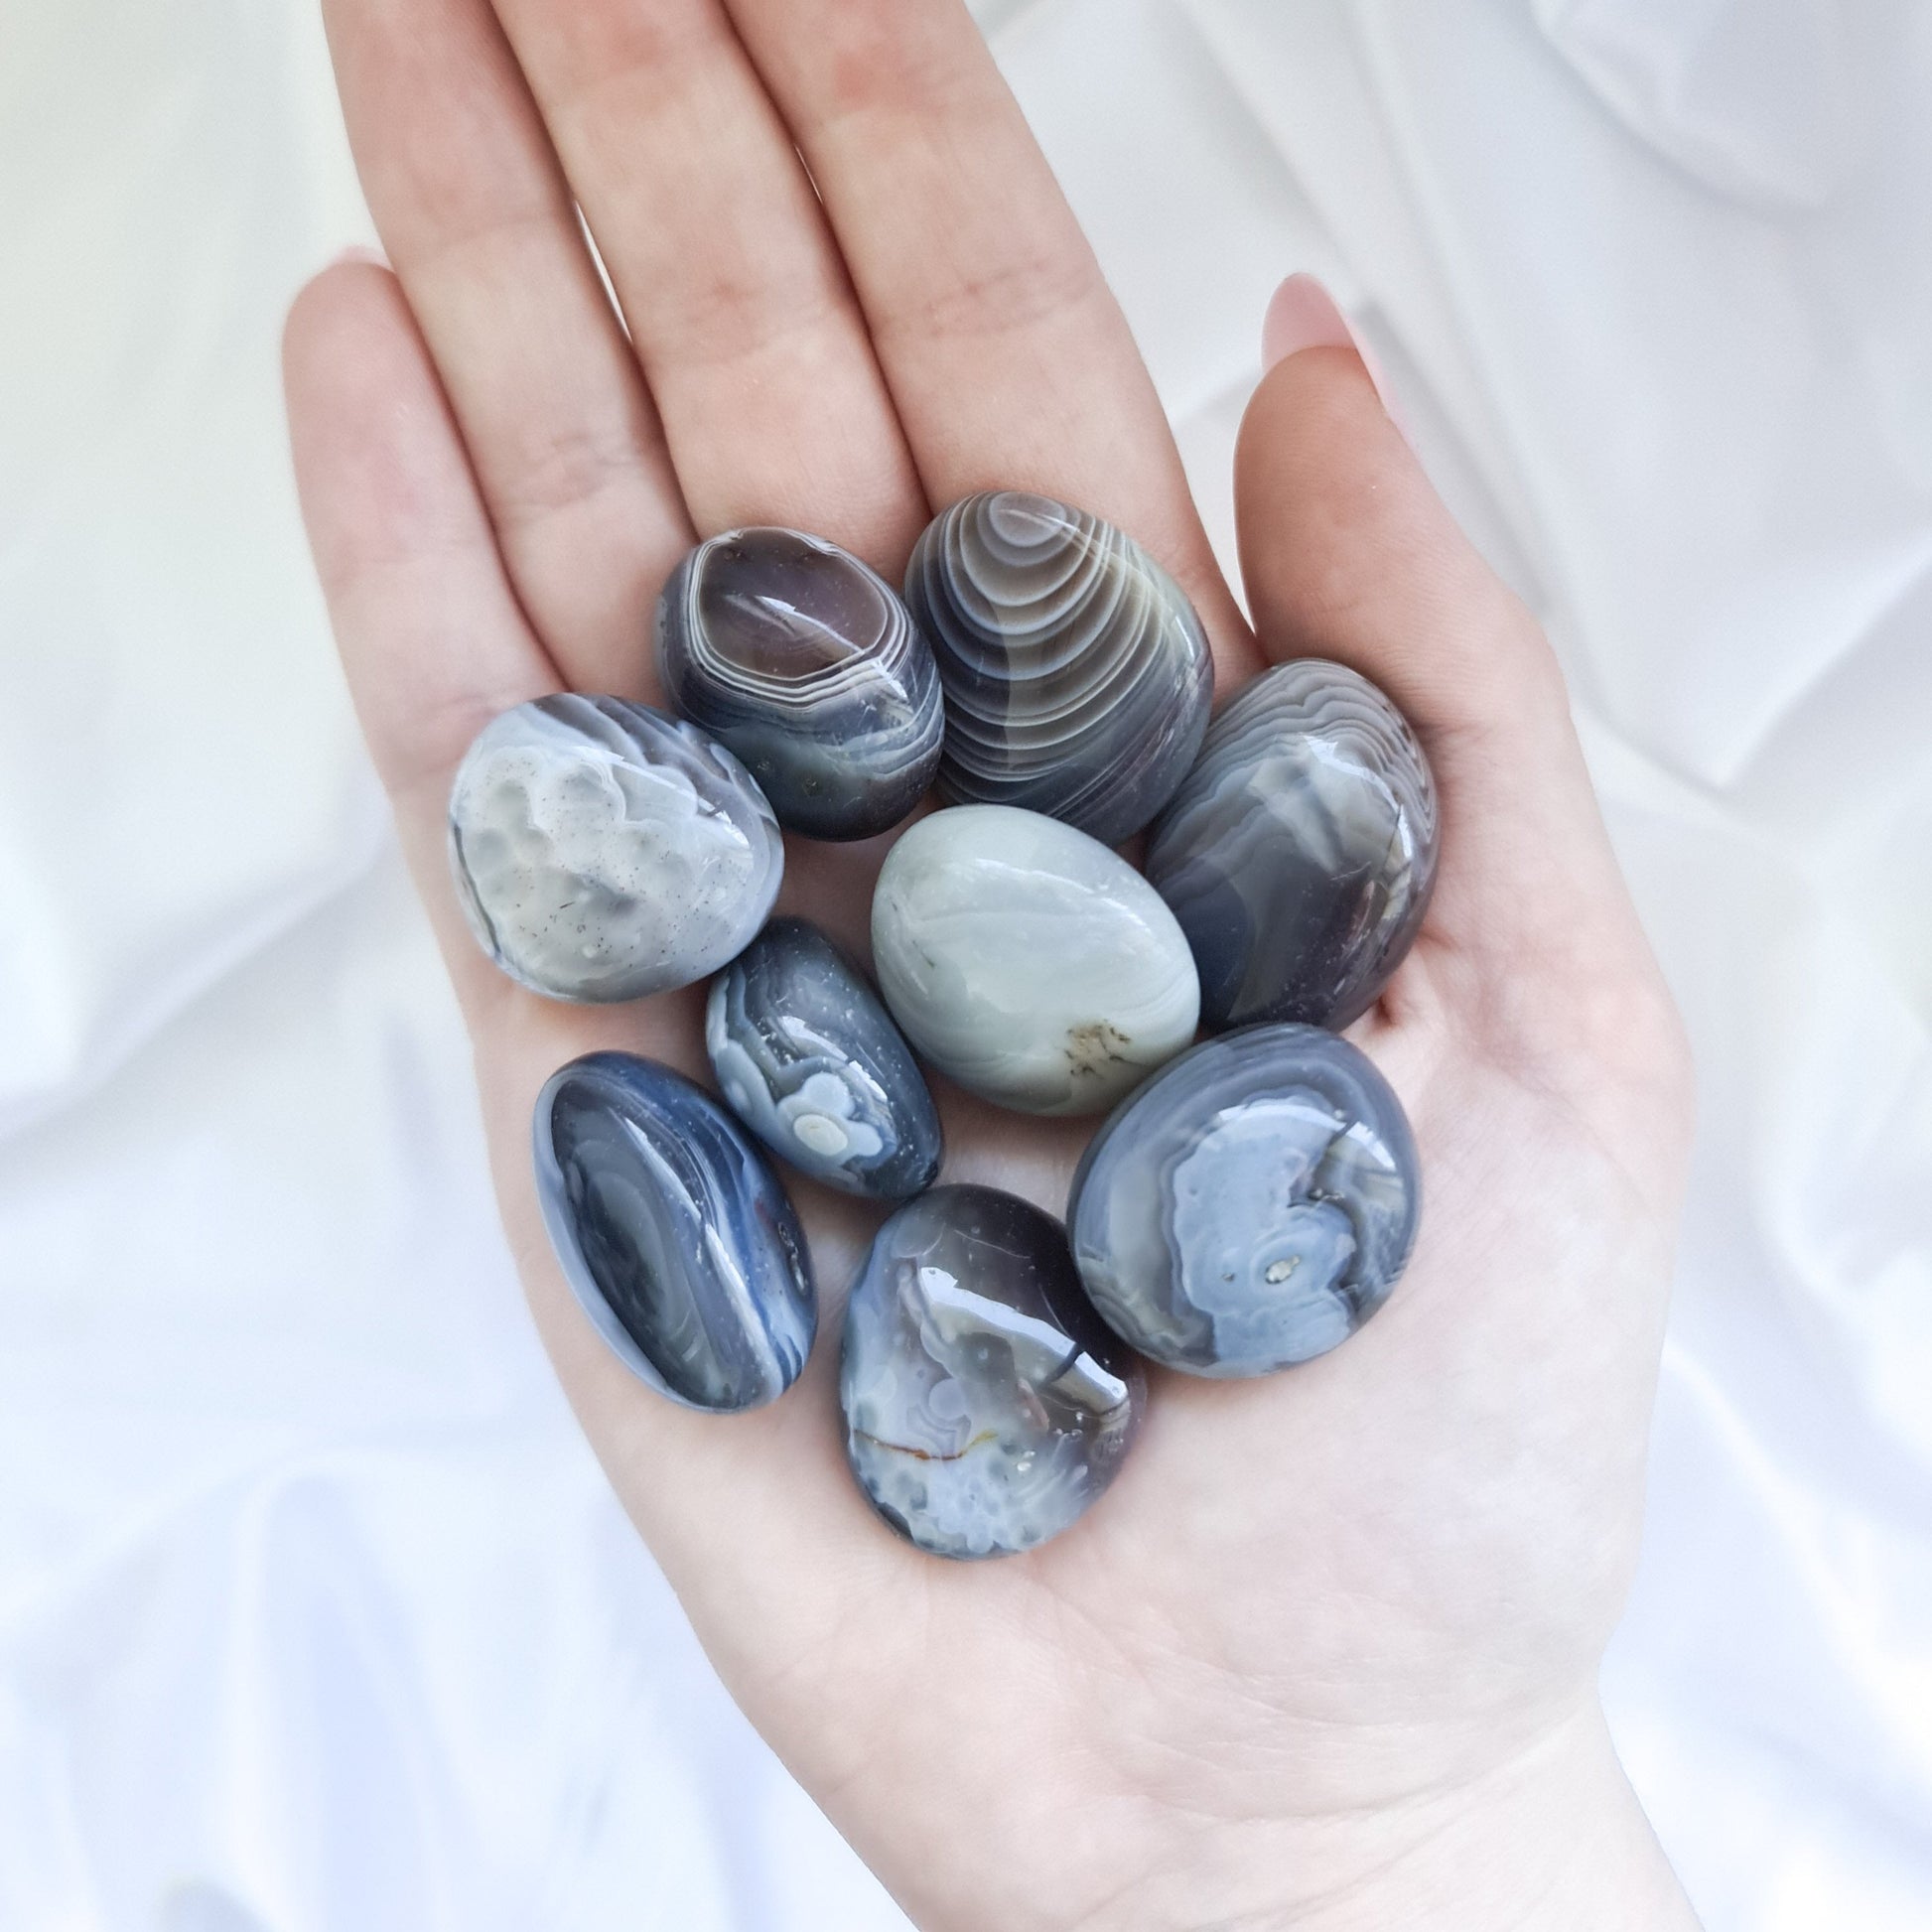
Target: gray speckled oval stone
[
  {"x": 806, "y": 664},
  {"x": 1251, "y": 1206},
  {"x": 673, "y": 1232},
  {"x": 814, "y": 1066},
  {"x": 985, "y": 1406},
  {"x": 1027, "y": 962},
  {"x": 1300, "y": 853},
  {"x": 1077, "y": 676},
  {"x": 603, "y": 851}
]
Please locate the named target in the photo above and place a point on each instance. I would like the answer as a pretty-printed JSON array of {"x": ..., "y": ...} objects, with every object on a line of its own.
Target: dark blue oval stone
[{"x": 674, "y": 1233}]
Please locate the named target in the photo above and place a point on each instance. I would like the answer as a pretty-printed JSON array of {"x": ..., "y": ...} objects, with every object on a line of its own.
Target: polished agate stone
[
  {"x": 674, "y": 1233},
  {"x": 1251, "y": 1206},
  {"x": 1027, "y": 962},
  {"x": 985, "y": 1406},
  {"x": 1300, "y": 853},
  {"x": 1077, "y": 675},
  {"x": 603, "y": 851},
  {"x": 806, "y": 664},
  {"x": 815, "y": 1068}
]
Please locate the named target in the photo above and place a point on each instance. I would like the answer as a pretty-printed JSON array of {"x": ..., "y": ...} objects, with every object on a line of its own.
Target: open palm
[{"x": 1326, "y": 1624}]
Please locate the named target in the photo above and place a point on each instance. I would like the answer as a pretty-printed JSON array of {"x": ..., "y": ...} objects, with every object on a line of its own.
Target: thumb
[{"x": 1347, "y": 553}]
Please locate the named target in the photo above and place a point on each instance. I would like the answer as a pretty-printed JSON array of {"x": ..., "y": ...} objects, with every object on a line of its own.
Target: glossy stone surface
[
  {"x": 1251, "y": 1206},
  {"x": 1077, "y": 675},
  {"x": 674, "y": 1233},
  {"x": 815, "y": 1068},
  {"x": 603, "y": 851},
  {"x": 985, "y": 1405},
  {"x": 805, "y": 663},
  {"x": 1300, "y": 853},
  {"x": 1027, "y": 962}
]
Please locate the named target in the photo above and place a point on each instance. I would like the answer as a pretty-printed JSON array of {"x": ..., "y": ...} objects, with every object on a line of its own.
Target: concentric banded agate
[
  {"x": 674, "y": 1234},
  {"x": 603, "y": 851},
  {"x": 812, "y": 1064},
  {"x": 1251, "y": 1206},
  {"x": 1077, "y": 676},
  {"x": 1028, "y": 962},
  {"x": 986, "y": 1408},
  {"x": 806, "y": 664},
  {"x": 1300, "y": 853}
]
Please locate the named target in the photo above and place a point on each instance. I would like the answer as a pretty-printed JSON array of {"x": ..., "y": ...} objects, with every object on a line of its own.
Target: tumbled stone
[
  {"x": 1027, "y": 962},
  {"x": 985, "y": 1406},
  {"x": 603, "y": 851},
  {"x": 1300, "y": 853},
  {"x": 1077, "y": 676},
  {"x": 675, "y": 1235},
  {"x": 1251, "y": 1206},
  {"x": 805, "y": 662},
  {"x": 812, "y": 1063}
]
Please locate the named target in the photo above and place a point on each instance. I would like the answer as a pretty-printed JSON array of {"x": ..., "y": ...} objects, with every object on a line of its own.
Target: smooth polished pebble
[
  {"x": 1300, "y": 853},
  {"x": 674, "y": 1233},
  {"x": 986, "y": 1408},
  {"x": 813, "y": 1065},
  {"x": 1077, "y": 676},
  {"x": 1027, "y": 962},
  {"x": 1251, "y": 1206},
  {"x": 806, "y": 663},
  {"x": 603, "y": 851}
]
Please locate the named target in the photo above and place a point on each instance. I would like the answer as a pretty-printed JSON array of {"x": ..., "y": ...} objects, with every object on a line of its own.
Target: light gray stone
[
  {"x": 603, "y": 851},
  {"x": 1027, "y": 962}
]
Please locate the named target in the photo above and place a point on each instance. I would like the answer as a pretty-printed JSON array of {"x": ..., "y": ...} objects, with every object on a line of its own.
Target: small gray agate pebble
[
  {"x": 985, "y": 1406},
  {"x": 1077, "y": 675},
  {"x": 673, "y": 1232},
  {"x": 1300, "y": 853},
  {"x": 1251, "y": 1206},
  {"x": 815, "y": 1068},
  {"x": 603, "y": 851},
  {"x": 1027, "y": 962},
  {"x": 805, "y": 663}
]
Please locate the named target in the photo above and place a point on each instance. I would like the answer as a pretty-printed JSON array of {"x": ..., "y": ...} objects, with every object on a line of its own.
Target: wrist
[
  {"x": 1552, "y": 1839},
  {"x": 1547, "y": 1836}
]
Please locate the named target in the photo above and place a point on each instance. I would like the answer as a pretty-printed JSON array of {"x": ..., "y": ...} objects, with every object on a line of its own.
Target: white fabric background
[{"x": 315, "y": 1615}]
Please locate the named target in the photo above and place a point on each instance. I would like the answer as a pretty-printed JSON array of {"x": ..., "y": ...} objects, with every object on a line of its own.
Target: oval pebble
[
  {"x": 675, "y": 1235},
  {"x": 603, "y": 851},
  {"x": 1300, "y": 853},
  {"x": 812, "y": 1062},
  {"x": 986, "y": 1408},
  {"x": 805, "y": 662},
  {"x": 1251, "y": 1206},
  {"x": 1027, "y": 962},
  {"x": 1077, "y": 676}
]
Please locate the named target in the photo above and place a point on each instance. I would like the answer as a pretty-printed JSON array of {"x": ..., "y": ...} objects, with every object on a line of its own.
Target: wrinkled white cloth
[{"x": 314, "y": 1614}]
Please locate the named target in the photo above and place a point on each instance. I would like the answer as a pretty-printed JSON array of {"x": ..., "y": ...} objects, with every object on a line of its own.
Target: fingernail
[
  {"x": 361, "y": 252},
  {"x": 1304, "y": 315}
]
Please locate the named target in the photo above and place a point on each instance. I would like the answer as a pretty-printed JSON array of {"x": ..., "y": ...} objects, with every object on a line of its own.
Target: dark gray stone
[
  {"x": 1299, "y": 854},
  {"x": 1077, "y": 676},
  {"x": 805, "y": 663},
  {"x": 985, "y": 1406},
  {"x": 812, "y": 1063}
]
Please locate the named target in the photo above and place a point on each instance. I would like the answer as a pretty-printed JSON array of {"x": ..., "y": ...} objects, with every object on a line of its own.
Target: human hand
[{"x": 1325, "y": 1653}]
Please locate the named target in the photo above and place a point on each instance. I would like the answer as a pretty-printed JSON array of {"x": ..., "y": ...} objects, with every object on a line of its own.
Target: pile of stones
[{"x": 1251, "y": 1197}]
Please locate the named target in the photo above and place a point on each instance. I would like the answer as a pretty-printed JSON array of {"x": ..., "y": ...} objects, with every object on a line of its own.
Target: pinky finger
[{"x": 431, "y": 635}]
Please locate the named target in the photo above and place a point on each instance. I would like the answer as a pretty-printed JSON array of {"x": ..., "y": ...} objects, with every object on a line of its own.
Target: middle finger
[{"x": 736, "y": 300}]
